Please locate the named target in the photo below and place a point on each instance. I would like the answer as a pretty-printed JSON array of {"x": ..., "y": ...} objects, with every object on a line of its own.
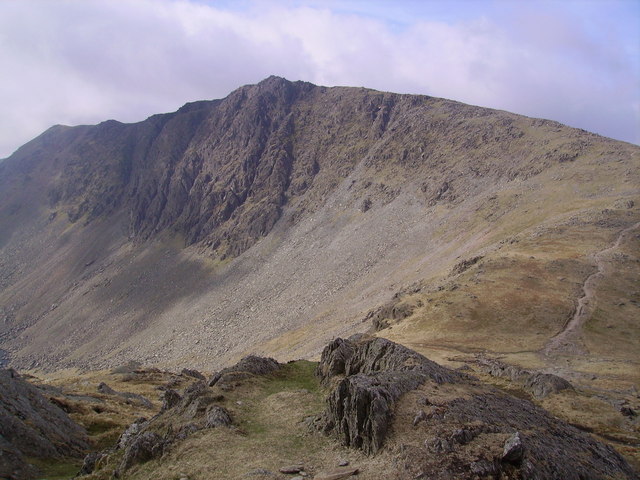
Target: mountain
[{"x": 287, "y": 214}]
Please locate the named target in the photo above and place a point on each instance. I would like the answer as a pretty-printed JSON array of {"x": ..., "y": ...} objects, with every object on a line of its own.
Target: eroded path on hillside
[{"x": 568, "y": 340}]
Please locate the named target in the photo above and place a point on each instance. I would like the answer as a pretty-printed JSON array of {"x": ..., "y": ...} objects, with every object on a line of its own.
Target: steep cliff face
[
  {"x": 285, "y": 212},
  {"x": 219, "y": 173}
]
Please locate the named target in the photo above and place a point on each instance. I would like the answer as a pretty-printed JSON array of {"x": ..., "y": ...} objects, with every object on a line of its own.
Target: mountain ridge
[{"x": 224, "y": 218}]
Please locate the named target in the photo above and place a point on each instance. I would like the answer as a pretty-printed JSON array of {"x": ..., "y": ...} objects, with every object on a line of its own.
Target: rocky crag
[{"x": 32, "y": 427}]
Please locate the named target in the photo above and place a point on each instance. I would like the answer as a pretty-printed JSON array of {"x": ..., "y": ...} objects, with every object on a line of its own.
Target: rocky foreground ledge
[
  {"x": 400, "y": 415},
  {"x": 446, "y": 424}
]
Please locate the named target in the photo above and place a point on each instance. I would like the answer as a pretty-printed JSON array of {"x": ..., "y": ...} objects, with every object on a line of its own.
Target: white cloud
[{"x": 82, "y": 62}]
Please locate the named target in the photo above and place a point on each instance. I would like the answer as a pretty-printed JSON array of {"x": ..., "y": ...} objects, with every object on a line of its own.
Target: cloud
[{"x": 82, "y": 62}]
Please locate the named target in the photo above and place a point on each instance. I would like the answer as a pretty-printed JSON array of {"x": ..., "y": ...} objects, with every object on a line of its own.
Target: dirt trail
[{"x": 568, "y": 340}]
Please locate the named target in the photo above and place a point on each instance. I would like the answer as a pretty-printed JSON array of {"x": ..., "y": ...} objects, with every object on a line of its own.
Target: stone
[
  {"x": 540, "y": 385},
  {"x": 543, "y": 384},
  {"x": 343, "y": 463},
  {"x": 131, "y": 398},
  {"x": 170, "y": 399},
  {"x": 513, "y": 449},
  {"x": 217, "y": 416},
  {"x": 377, "y": 373},
  {"x": 248, "y": 366},
  {"x": 337, "y": 474},
  {"x": 292, "y": 469},
  {"x": 483, "y": 468},
  {"x": 462, "y": 436},
  {"x": 144, "y": 447},
  {"x": 130, "y": 433},
  {"x": 186, "y": 430},
  {"x": 106, "y": 389}
]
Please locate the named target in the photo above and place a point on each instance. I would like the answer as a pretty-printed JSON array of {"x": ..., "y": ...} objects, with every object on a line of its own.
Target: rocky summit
[{"x": 268, "y": 224}]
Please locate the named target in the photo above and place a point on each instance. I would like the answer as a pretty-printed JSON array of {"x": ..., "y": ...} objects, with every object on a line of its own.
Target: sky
[{"x": 85, "y": 61}]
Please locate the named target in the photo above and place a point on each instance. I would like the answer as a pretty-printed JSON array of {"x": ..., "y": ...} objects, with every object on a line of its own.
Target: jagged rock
[
  {"x": 513, "y": 449},
  {"x": 192, "y": 373},
  {"x": 465, "y": 264},
  {"x": 247, "y": 367},
  {"x": 31, "y": 426},
  {"x": 143, "y": 448},
  {"x": 377, "y": 372},
  {"x": 483, "y": 468},
  {"x": 130, "y": 432},
  {"x": 538, "y": 384},
  {"x": 544, "y": 384},
  {"x": 462, "y": 436},
  {"x": 550, "y": 450},
  {"x": 217, "y": 416},
  {"x": 170, "y": 399},
  {"x": 392, "y": 311},
  {"x": 186, "y": 430},
  {"x": 370, "y": 375},
  {"x": 334, "y": 361},
  {"x": 369, "y": 355}
]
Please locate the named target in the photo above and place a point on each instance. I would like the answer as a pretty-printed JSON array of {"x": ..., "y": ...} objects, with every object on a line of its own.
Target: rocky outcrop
[
  {"x": 514, "y": 438},
  {"x": 31, "y": 426},
  {"x": 144, "y": 447},
  {"x": 537, "y": 384},
  {"x": 129, "y": 397},
  {"x": 374, "y": 374},
  {"x": 461, "y": 430},
  {"x": 247, "y": 367},
  {"x": 199, "y": 407}
]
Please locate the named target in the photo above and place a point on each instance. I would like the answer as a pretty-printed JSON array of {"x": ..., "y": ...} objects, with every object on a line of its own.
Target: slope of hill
[{"x": 286, "y": 213}]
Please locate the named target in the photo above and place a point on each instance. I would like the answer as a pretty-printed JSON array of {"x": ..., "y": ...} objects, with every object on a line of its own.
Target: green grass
[
  {"x": 56, "y": 469},
  {"x": 98, "y": 427},
  {"x": 296, "y": 375}
]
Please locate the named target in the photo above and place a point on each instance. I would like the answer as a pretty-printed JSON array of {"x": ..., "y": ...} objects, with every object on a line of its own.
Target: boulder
[
  {"x": 217, "y": 416},
  {"x": 143, "y": 448},
  {"x": 513, "y": 449},
  {"x": 130, "y": 433},
  {"x": 245, "y": 368},
  {"x": 170, "y": 399},
  {"x": 543, "y": 384},
  {"x": 374, "y": 373}
]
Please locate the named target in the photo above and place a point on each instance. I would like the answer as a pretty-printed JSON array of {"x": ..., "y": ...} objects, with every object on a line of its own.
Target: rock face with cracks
[
  {"x": 376, "y": 373},
  {"x": 462, "y": 429}
]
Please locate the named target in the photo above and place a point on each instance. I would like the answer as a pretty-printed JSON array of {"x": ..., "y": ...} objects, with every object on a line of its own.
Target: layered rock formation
[{"x": 459, "y": 428}]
